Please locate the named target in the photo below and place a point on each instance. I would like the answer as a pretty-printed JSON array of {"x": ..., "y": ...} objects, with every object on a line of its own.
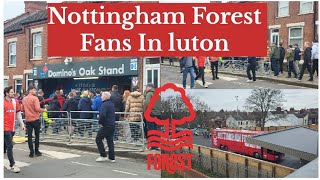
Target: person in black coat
[
  {"x": 307, "y": 61},
  {"x": 252, "y": 63},
  {"x": 85, "y": 105},
  {"x": 55, "y": 106},
  {"x": 116, "y": 99},
  {"x": 107, "y": 122},
  {"x": 282, "y": 56},
  {"x": 71, "y": 104}
]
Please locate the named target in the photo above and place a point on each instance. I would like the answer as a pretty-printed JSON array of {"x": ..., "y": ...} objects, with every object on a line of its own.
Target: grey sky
[
  {"x": 225, "y": 98},
  {"x": 13, "y": 8}
]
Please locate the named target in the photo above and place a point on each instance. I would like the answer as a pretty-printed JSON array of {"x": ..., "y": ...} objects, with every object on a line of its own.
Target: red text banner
[{"x": 153, "y": 29}]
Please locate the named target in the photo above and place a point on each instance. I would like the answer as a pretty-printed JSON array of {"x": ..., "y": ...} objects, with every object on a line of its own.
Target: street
[
  {"x": 289, "y": 161},
  {"x": 57, "y": 162},
  {"x": 171, "y": 74}
]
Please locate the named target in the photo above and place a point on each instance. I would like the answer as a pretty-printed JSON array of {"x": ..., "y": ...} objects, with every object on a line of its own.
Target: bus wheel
[
  {"x": 256, "y": 155},
  {"x": 226, "y": 148},
  {"x": 221, "y": 147}
]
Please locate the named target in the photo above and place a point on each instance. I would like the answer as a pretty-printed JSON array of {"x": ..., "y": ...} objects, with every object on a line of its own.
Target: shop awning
[{"x": 298, "y": 141}]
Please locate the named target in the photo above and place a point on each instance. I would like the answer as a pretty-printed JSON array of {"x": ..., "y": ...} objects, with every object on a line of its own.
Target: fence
[
  {"x": 217, "y": 163},
  {"x": 67, "y": 127}
]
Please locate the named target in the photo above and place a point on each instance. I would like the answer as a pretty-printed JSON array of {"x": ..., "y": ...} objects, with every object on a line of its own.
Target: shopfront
[{"x": 87, "y": 75}]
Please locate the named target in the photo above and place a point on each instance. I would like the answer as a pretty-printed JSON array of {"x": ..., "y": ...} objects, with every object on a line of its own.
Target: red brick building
[
  {"x": 26, "y": 60},
  {"x": 293, "y": 22}
]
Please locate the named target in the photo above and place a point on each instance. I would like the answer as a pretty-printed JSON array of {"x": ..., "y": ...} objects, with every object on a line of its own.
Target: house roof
[
  {"x": 36, "y": 16},
  {"x": 301, "y": 115},
  {"x": 241, "y": 116}
]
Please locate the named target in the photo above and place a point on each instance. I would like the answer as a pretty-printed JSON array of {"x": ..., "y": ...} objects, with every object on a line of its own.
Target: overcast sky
[
  {"x": 225, "y": 99},
  {"x": 13, "y": 8}
]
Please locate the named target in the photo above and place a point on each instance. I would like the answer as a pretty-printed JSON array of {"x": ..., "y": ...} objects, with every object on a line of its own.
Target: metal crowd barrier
[
  {"x": 263, "y": 67},
  {"x": 128, "y": 136},
  {"x": 54, "y": 126},
  {"x": 67, "y": 127}
]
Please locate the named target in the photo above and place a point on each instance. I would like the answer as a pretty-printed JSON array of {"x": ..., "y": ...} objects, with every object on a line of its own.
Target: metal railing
[{"x": 68, "y": 128}]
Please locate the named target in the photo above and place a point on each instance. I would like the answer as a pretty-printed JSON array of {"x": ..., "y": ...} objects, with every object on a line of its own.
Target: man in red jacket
[
  {"x": 201, "y": 60},
  {"x": 61, "y": 99},
  {"x": 11, "y": 113}
]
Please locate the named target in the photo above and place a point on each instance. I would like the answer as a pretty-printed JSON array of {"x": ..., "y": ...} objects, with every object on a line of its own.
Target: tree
[
  {"x": 261, "y": 101},
  {"x": 175, "y": 107}
]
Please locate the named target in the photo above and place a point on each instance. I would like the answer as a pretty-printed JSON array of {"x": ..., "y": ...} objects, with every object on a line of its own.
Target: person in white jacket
[{"x": 314, "y": 57}]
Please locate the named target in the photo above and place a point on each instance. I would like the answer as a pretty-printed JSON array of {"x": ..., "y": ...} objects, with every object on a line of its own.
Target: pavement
[
  {"x": 229, "y": 80},
  {"x": 59, "y": 162},
  {"x": 289, "y": 161}
]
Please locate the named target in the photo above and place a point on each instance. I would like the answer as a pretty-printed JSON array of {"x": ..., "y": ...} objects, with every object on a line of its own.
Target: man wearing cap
[{"x": 156, "y": 112}]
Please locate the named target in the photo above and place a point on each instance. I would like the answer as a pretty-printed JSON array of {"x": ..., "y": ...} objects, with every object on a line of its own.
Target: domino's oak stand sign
[{"x": 97, "y": 68}]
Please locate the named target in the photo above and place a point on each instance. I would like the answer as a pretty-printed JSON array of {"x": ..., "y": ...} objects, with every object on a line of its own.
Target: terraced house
[{"x": 26, "y": 61}]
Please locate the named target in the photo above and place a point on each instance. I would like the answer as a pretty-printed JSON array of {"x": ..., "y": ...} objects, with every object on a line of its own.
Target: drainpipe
[{"x": 314, "y": 19}]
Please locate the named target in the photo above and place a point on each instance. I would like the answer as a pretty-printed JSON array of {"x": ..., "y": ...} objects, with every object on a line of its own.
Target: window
[
  {"x": 37, "y": 49},
  {"x": 5, "y": 83},
  {"x": 296, "y": 36},
  {"x": 306, "y": 7},
  {"x": 283, "y": 8},
  {"x": 28, "y": 81},
  {"x": 12, "y": 54},
  {"x": 18, "y": 85}
]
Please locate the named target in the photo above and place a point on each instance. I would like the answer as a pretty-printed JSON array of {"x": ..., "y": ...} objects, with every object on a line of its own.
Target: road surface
[
  {"x": 289, "y": 161},
  {"x": 59, "y": 162},
  {"x": 171, "y": 74}
]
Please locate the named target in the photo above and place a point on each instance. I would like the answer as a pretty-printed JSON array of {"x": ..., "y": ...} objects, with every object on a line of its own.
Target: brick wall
[{"x": 294, "y": 17}]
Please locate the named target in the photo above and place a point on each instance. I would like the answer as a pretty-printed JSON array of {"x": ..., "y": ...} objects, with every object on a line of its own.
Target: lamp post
[{"x": 237, "y": 99}]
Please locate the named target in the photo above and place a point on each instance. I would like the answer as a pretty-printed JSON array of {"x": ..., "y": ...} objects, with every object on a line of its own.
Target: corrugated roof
[
  {"x": 298, "y": 141},
  {"x": 33, "y": 17}
]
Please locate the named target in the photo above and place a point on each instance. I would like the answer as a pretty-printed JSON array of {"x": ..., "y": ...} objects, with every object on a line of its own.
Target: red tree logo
[{"x": 163, "y": 140}]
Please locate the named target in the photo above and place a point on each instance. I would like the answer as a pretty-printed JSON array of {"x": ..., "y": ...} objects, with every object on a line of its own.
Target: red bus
[{"x": 235, "y": 141}]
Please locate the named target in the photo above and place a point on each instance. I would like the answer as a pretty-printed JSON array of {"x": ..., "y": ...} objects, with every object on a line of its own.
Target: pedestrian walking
[
  {"x": 275, "y": 58},
  {"x": 156, "y": 109},
  {"x": 315, "y": 56},
  {"x": 187, "y": 65},
  {"x": 32, "y": 110},
  {"x": 297, "y": 58},
  {"x": 86, "y": 117},
  {"x": 282, "y": 56},
  {"x": 252, "y": 63},
  {"x": 214, "y": 61},
  {"x": 11, "y": 113},
  {"x": 290, "y": 59},
  {"x": 116, "y": 99},
  {"x": 134, "y": 105},
  {"x": 201, "y": 66},
  {"x": 307, "y": 61},
  {"x": 106, "y": 131}
]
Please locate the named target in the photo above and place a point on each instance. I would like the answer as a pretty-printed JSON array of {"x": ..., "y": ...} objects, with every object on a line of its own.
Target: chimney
[
  {"x": 278, "y": 109},
  {"x": 291, "y": 109},
  {"x": 32, "y": 6}
]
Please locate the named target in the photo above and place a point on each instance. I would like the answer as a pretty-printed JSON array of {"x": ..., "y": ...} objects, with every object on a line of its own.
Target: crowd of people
[
  {"x": 278, "y": 57},
  {"x": 292, "y": 56},
  {"x": 195, "y": 66},
  {"x": 101, "y": 105}
]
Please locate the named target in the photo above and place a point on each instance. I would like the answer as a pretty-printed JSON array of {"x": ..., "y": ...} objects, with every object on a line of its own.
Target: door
[
  {"x": 151, "y": 71},
  {"x": 274, "y": 36}
]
